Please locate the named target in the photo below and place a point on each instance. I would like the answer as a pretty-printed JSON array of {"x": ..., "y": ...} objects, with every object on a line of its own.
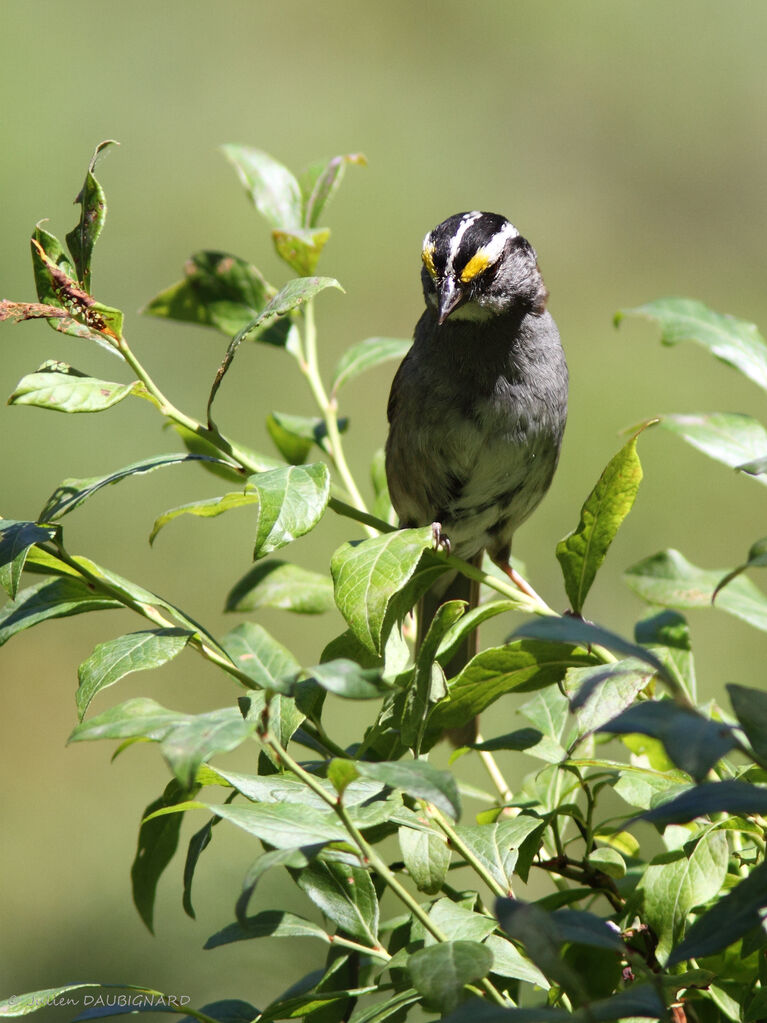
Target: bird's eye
[
  {"x": 427, "y": 255},
  {"x": 478, "y": 263}
]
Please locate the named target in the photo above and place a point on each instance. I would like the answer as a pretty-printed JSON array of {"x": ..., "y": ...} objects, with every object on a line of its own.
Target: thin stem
[
  {"x": 495, "y": 774},
  {"x": 371, "y": 857},
  {"x": 379, "y": 953}
]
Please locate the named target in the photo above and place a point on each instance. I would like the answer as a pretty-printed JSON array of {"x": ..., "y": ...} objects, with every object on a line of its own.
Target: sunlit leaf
[
  {"x": 366, "y": 355},
  {"x": 728, "y": 437},
  {"x": 272, "y": 923},
  {"x": 59, "y": 387},
  {"x": 301, "y": 248},
  {"x": 321, "y": 181},
  {"x": 736, "y": 342},
  {"x": 417, "y": 778},
  {"x": 261, "y": 657},
  {"x": 93, "y": 211},
  {"x": 345, "y": 894},
  {"x": 51, "y": 598},
  {"x": 16, "y": 538},
  {"x": 208, "y": 508},
  {"x": 427, "y": 858},
  {"x": 582, "y": 552},
  {"x": 273, "y": 189},
  {"x": 284, "y": 585},
  {"x": 292, "y": 500},
  {"x": 441, "y": 972}
]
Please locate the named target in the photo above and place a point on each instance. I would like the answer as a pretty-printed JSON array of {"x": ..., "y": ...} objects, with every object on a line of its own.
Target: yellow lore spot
[
  {"x": 428, "y": 259},
  {"x": 476, "y": 265}
]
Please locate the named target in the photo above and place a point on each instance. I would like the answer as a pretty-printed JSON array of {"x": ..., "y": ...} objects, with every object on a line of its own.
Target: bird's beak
[{"x": 450, "y": 297}]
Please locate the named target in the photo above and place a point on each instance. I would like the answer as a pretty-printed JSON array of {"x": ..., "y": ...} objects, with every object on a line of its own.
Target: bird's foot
[{"x": 441, "y": 542}]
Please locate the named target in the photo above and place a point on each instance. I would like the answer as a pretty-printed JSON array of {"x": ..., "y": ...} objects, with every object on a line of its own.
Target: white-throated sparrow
[{"x": 478, "y": 405}]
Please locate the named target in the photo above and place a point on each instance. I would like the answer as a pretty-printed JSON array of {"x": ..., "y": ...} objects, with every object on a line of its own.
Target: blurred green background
[{"x": 626, "y": 140}]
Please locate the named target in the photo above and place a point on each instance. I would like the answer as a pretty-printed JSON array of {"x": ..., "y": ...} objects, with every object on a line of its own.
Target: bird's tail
[{"x": 457, "y": 587}]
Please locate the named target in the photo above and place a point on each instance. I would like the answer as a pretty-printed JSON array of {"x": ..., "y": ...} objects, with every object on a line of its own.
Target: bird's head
[{"x": 476, "y": 266}]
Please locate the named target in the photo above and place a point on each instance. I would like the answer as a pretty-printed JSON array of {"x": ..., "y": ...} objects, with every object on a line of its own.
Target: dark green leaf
[
  {"x": 285, "y": 825},
  {"x": 730, "y": 796},
  {"x": 428, "y": 685},
  {"x": 16, "y": 538},
  {"x": 206, "y": 509},
  {"x": 669, "y": 579},
  {"x": 347, "y": 679},
  {"x": 220, "y": 291},
  {"x": 727, "y": 921},
  {"x": 199, "y": 841},
  {"x": 345, "y": 894},
  {"x": 750, "y": 706},
  {"x": 116, "y": 658},
  {"x": 93, "y": 212},
  {"x": 582, "y": 552},
  {"x": 578, "y": 632},
  {"x": 273, "y": 189},
  {"x": 728, "y": 437},
  {"x": 419, "y": 779},
  {"x": 282, "y": 584},
  {"x": 71, "y": 493},
  {"x": 227, "y": 1010},
  {"x": 348, "y": 646},
  {"x": 367, "y": 574},
  {"x": 157, "y": 842},
  {"x": 691, "y": 741},
  {"x": 381, "y": 1011},
  {"x": 427, "y": 858},
  {"x": 367, "y": 354},
  {"x": 496, "y": 845},
  {"x": 524, "y": 665},
  {"x": 301, "y": 248},
  {"x": 735, "y": 342},
  {"x": 292, "y": 501},
  {"x": 274, "y": 858},
  {"x": 272, "y": 923},
  {"x": 675, "y": 882},
  {"x": 59, "y": 387},
  {"x": 667, "y": 634},
  {"x": 198, "y": 445},
  {"x": 440, "y": 972},
  {"x": 320, "y": 182},
  {"x": 476, "y": 1011},
  {"x": 293, "y": 295},
  {"x": 293, "y": 447},
  {"x": 51, "y": 598}
]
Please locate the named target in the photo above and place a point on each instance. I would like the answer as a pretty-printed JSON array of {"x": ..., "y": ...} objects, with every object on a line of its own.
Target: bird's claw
[{"x": 441, "y": 542}]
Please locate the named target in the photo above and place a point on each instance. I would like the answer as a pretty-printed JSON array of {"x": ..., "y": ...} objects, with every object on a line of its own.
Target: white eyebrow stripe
[
  {"x": 495, "y": 246},
  {"x": 466, "y": 222}
]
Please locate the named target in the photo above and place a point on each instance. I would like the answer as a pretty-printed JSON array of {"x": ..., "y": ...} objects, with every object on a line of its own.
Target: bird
[{"x": 478, "y": 406}]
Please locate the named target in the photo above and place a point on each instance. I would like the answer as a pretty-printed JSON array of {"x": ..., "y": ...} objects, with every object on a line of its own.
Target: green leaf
[
  {"x": 274, "y": 858},
  {"x": 51, "y": 598},
  {"x": 116, "y": 658},
  {"x": 22, "y": 1005},
  {"x": 470, "y": 621},
  {"x": 691, "y": 741},
  {"x": 427, "y": 858},
  {"x": 206, "y": 509},
  {"x": 508, "y": 961},
  {"x": 667, "y": 634},
  {"x": 419, "y": 779},
  {"x": 727, "y": 921},
  {"x": 347, "y": 679},
  {"x": 295, "y": 435},
  {"x": 261, "y": 657},
  {"x": 735, "y": 342},
  {"x": 728, "y": 437},
  {"x": 345, "y": 894},
  {"x": 301, "y": 248},
  {"x": 482, "y": 1011},
  {"x": 750, "y": 706},
  {"x": 93, "y": 212},
  {"x": 273, "y": 189},
  {"x": 456, "y": 921},
  {"x": 320, "y": 182},
  {"x": 582, "y": 552},
  {"x": 608, "y": 861},
  {"x": 365, "y": 355},
  {"x": 578, "y": 632},
  {"x": 284, "y": 585},
  {"x": 198, "y": 445},
  {"x": 199, "y": 841},
  {"x": 292, "y": 500},
  {"x": 71, "y": 493},
  {"x": 284, "y": 825},
  {"x": 220, "y": 291},
  {"x": 604, "y": 691},
  {"x": 16, "y": 538},
  {"x": 367, "y": 574},
  {"x": 496, "y": 845},
  {"x": 428, "y": 684},
  {"x": 440, "y": 972},
  {"x": 524, "y": 665},
  {"x": 381, "y": 1011},
  {"x": 294, "y": 294},
  {"x": 667, "y": 578},
  {"x": 157, "y": 842},
  {"x": 730, "y": 796},
  {"x": 675, "y": 882},
  {"x": 272, "y": 923},
  {"x": 757, "y": 558},
  {"x": 59, "y": 387}
]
